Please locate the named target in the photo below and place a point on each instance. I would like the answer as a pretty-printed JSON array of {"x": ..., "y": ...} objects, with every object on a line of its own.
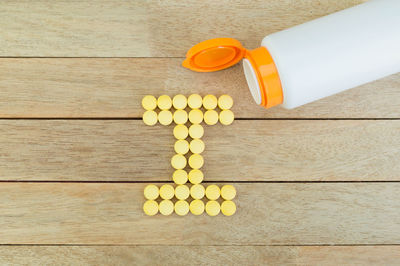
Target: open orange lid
[{"x": 214, "y": 54}]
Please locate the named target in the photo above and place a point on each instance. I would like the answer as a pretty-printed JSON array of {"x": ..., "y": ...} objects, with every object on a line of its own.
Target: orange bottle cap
[
  {"x": 221, "y": 53},
  {"x": 214, "y": 54}
]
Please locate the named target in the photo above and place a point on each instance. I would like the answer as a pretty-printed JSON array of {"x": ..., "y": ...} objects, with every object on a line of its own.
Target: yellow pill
[
  {"x": 195, "y": 176},
  {"x": 181, "y": 146},
  {"x": 211, "y": 117},
  {"x": 196, "y": 131},
  {"x": 195, "y": 116},
  {"x": 150, "y": 118},
  {"x": 228, "y": 208},
  {"x": 196, "y": 146},
  {"x": 180, "y": 116},
  {"x": 178, "y": 161},
  {"x": 166, "y": 207},
  {"x": 181, "y": 132},
  {"x": 196, "y": 207},
  {"x": 210, "y": 102},
  {"x": 196, "y": 161},
  {"x": 195, "y": 101},
  {"x": 182, "y": 192},
  {"x": 213, "y": 192},
  {"x": 197, "y": 191},
  {"x": 179, "y": 101},
  {"x": 165, "y": 117},
  {"x": 180, "y": 177},
  {"x": 150, "y": 207},
  {"x": 213, "y": 208},
  {"x": 151, "y": 192},
  {"x": 226, "y": 117},
  {"x": 225, "y": 102},
  {"x": 228, "y": 192},
  {"x": 181, "y": 207},
  {"x": 164, "y": 102},
  {"x": 149, "y": 102},
  {"x": 167, "y": 191}
]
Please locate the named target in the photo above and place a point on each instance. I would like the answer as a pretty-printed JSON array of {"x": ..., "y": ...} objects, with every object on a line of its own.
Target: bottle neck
[{"x": 262, "y": 77}]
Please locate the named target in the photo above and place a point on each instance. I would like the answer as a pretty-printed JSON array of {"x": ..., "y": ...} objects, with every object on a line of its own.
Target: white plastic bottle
[{"x": 315, "y": 59}]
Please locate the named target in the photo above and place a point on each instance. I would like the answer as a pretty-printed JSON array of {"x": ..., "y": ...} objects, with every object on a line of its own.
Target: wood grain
[
  {"x": 204, "y": 255},
  {"x": 146, "y": 255},
  {"x": 268, "y": 214},
  {"x": 145, "y": 28},
  {"x": 93, "y": 87},
  {"x": 118, "y": 150}
]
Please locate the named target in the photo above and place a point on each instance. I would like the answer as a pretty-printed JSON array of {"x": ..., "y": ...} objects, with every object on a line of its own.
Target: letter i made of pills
[{"x": 188, "y": 194}]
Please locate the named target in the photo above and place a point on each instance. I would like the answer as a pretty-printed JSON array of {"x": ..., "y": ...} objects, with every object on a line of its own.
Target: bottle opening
[{"x": 252, "y": 80}]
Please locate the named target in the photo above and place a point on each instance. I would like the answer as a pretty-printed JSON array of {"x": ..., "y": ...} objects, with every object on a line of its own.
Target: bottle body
[{"x": 333, "y": 53}]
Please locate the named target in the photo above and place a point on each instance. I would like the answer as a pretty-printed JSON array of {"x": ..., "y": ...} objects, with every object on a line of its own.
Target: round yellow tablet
[
  {"x": 196, "y": 131},
  {"x": 182, "y": 192},
  {"x": 150, "y": 118},
  {"x": 178, "y": 161},
  {"x": 151, "y": 192},
  {"x": 228, "y": 208},
  {"x": 196, "y": 176},
  {"x": 211, "y": 117},
  {"x": 226, "y": 117},
  {"x": 165, "y": 117},
  {"x": 179, "y": 101},
  {"x": 166, "y": 207},
  {"x": 212, "y": 192},
  {"x": 228, "y": 192},
  {"x": 167, "y": 191},
  {"x": 181, "y": 207},
  {"x": 197, "y": 191},
  {"x": 181, "y": 131},
  {"x": 195, "y": 101},
  {"x": 180, "y": 177},
  {"x": 225, "y": 102},
  {"x": 180, "y": 116},
  {"x": 196, "y": 207},
  {"x": 150, "y": 207},
  {"x": 196, "y": 161},
  {"x": 213, "y": 208},
  {"x": 149, "y": 102},
  {"x": 164, "y": 102},
  {"x": 181, "y": 146},
  {"x": 195, "y": 116},
  {"x": 210, "y": 102},
  {"x": 196, "y": 146}
]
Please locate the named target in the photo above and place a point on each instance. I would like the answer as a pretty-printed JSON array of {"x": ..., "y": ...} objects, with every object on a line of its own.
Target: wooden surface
[
  {"x": 93, "y": 87},
  {"x": 268, "y": 214},
  {"x": 248, "y": 150},
  {"x": 209, "y": 255},
  {"x": 121, "y": 28},
  {"x": 318, "y": 185}
]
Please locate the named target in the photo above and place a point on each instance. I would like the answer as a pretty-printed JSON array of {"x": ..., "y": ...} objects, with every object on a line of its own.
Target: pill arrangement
[{"x": 188, "y": 114}]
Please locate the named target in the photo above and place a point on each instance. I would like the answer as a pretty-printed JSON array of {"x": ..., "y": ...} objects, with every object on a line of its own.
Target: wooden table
[{"x": 316, "y": 185}]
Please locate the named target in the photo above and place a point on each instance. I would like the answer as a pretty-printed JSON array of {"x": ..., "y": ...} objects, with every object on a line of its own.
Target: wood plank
[
  {"x": 200, "y": 255},
  {"x": 145, "y": 28},
  {"x": 77, "y": 87},
  {"x": 118, "y": 150},
  {"x": 348, "y": 255},
  {"x": 145, "y": 255},
  {"x": 268, "y": 214}
]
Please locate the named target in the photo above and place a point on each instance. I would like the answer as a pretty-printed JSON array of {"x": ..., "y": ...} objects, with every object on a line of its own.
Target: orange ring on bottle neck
[{"x": 267, "y": 75}]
